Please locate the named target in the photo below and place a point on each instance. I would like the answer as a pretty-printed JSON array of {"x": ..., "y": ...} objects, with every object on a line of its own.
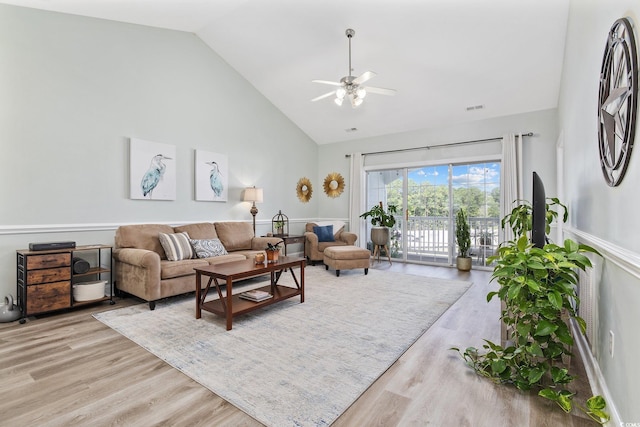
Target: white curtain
[
  {"x": 356, "y": 198},
  {"x": 511, "y": 178}
]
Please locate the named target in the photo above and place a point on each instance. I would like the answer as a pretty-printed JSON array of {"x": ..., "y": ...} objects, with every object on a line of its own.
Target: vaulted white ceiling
[{"x": 442, "y": 56}]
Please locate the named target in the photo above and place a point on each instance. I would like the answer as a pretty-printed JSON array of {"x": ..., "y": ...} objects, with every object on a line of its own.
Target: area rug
[{"x": 293, "y": 364}]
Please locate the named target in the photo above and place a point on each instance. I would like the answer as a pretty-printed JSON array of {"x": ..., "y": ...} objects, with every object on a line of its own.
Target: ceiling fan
[{"x": 351, "y": 86}]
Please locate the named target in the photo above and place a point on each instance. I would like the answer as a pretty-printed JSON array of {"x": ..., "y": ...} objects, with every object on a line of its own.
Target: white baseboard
[{"x": 596, "y": 379}]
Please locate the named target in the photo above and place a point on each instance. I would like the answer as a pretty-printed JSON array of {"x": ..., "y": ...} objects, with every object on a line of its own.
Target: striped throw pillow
[{"x": 176, "y": 246}]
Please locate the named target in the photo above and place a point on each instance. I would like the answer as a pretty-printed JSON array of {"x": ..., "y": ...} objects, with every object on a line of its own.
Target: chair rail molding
[
  {"x": 66, "y": 228},
  {"x": 627, "y": 260}
]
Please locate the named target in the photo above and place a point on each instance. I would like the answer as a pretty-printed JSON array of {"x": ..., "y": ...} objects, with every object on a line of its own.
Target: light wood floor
[{"x": 70, "y": 370}]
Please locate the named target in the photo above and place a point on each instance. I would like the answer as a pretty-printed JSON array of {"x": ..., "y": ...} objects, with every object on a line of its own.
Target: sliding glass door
[
  {"x": 427, "y": 199},
  {"x": 428, "y": 219}
]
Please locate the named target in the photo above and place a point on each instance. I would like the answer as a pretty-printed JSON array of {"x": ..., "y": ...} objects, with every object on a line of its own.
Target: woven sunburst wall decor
[
  {"x": 333, "y": 184},
  {"x": 304, "y": 189}
]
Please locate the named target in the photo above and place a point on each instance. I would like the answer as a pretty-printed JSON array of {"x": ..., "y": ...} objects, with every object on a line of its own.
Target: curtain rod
[{"x": 428, "y": 147}]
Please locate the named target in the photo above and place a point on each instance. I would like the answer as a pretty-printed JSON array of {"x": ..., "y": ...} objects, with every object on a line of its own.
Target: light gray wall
[
  {"x": 600, "y": 215},
  {"x": 73, "y": 90},
  {"x": 539, "y": 151}
]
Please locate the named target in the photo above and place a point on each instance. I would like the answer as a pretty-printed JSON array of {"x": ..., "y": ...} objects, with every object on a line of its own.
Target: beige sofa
[{"x": 141, "y": 266}]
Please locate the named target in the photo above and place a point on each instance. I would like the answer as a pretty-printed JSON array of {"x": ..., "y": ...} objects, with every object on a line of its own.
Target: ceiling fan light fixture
[
  {"x": 355, "y": 101},
  {"x": 349, "y": 86}
]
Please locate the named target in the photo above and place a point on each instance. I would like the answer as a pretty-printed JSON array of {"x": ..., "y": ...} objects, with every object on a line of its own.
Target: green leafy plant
[
  {"x": 273, "y": 247},
  {"x": 538, "y": 288},
  {"x": 380, "y": 217},
  {"x": 463, "y": 236},
  {"x": 519, "y": 220}
]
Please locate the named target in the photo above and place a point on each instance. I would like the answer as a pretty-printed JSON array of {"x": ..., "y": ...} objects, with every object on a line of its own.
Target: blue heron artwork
[
  {"x": 152, "y": 170},
  {"x": 153, "y": 175},
  {"x": 215, "y": 179},
  {"x": 211, "y": 176}
]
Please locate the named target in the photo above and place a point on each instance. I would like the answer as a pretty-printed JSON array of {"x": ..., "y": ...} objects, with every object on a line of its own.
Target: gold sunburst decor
[
  {"x": 333, "y": 184},
  {"x": 304, "y": 189}
]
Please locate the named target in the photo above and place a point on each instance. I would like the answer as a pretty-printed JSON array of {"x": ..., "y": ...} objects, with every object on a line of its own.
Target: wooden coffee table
[{"x": 232, "y": 305}]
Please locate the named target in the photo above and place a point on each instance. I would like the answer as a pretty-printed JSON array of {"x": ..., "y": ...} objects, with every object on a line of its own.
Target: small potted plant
[
  {"x": 278, "y": 226},
  {"x": 273, "y": 250},
  {"x": 463, "y": 238},
  {"x": 381, "y": 220}
]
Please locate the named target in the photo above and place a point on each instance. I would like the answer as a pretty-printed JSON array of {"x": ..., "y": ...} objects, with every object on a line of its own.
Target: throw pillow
[
  {"x": 324, "y": 233},
  {"x": 206, "y": 248},
  {"x": 176, "y": 246}
]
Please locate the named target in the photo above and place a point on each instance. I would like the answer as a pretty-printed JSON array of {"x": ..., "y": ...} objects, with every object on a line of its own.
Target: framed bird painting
[
  {"x": 211, "y": 176},
  {"x": 152, "y": 170}
]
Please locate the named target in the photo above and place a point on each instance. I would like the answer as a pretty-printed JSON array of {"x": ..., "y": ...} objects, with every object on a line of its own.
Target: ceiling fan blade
[
  {"x": 380, "y": 90},
  {"x": 326, "y": 95},
  {"x": 327, "y": 82},
  {"x": 364, "y": 77}
]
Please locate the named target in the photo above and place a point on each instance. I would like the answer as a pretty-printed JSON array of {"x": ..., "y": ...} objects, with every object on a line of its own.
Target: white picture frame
[
  {"x": 211, "y": 175},
  {"x": 152, "y": 170}
]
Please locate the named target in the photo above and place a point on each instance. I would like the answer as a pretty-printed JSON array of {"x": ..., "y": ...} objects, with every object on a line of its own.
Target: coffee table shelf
[
  {"x": 228, "y": 272},
  {"x": 241, "y": 305}
]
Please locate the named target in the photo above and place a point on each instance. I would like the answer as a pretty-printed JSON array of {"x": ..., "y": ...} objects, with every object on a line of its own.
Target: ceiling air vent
[{"x": 475, "y": 107}]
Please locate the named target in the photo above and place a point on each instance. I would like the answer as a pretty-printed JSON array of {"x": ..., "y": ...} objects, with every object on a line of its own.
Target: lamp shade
[{"x": 253, "y": 194}]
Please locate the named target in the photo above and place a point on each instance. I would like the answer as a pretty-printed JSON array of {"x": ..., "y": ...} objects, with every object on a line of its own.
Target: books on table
[{"x": 255, "y": 295}]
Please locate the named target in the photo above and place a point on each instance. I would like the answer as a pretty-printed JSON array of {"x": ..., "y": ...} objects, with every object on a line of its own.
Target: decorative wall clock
[
  {"x": 333, "y": 184},
  {"x": 618, "y": 101},
  {"x": 304, "y": 190}
]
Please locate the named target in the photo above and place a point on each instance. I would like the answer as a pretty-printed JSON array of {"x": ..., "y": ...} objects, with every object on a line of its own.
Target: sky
[{"x": 462, "y": 175}]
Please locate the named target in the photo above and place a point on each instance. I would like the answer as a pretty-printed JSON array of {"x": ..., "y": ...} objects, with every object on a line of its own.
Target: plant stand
[{"x": 378, "y": 248}]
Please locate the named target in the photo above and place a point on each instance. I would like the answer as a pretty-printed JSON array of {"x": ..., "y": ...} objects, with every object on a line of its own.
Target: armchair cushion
[{"x": 325, "y": 233}]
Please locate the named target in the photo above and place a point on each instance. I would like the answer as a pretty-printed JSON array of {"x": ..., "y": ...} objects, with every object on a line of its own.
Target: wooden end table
[
  {"x": 289, "y": 239},
  {"x": 231, "y": 305}
]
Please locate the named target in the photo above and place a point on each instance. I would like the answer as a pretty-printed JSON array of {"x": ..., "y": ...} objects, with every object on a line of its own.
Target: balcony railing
[{"x": 429, "y": 238}]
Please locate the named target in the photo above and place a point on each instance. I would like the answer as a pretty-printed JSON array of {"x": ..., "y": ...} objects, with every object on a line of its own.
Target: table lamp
[{"x": 253, "y": 194}]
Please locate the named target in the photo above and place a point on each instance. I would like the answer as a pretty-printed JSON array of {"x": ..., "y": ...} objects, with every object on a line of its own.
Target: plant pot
[
  {"x": 463, "y": 263},
  {"x": 272, "y": 256},
  {"x": 380, "y": 235}
]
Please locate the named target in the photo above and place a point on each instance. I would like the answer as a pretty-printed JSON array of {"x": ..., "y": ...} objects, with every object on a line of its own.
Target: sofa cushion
[
  {"x": 142, "y": 236},
  {"x": 176, "y": 246},
  {"x": 324, "y": 233},
  {"x": 206, "y": 248},
  {"x": 235, "y": 235},
  {"x": 171, "y": 269},
  {"x": 201, "y": 230},
  {"x": 226, "y": 258}
]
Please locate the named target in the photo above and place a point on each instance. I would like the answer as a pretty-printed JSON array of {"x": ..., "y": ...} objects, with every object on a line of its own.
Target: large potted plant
[
  {"x": 463, "y": 238},
  {"x": 538, "y": 291},
  {"x": 381, "y": 220}
]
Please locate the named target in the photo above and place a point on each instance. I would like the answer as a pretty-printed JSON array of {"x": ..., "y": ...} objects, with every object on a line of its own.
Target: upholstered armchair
[{"x": 330, "y": 234}]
